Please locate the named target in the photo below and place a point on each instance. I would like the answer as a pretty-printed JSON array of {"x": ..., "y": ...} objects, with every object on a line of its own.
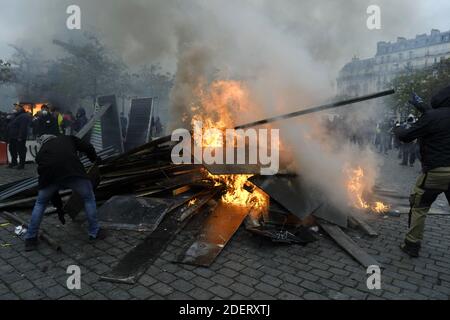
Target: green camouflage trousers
[{"x": 428, "y": 186}]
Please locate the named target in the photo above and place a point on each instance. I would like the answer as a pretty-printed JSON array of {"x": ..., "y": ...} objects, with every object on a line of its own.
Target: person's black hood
[{"x": 441, "y": 99}]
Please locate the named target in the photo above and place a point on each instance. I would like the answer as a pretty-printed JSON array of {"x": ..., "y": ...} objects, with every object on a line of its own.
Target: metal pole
[{"x": 317, "y": 109}]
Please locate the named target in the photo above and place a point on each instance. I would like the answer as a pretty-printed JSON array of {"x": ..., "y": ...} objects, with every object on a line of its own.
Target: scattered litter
[
  {"x": 20, "y": 230},
  {"x": 394, "y": 213}
]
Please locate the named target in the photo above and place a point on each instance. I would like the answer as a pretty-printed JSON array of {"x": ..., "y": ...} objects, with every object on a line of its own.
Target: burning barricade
[{"x": 144, "y": 190}]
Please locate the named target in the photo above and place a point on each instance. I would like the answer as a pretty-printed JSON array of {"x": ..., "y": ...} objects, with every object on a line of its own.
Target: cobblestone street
[{"x": 248, "y": 268}]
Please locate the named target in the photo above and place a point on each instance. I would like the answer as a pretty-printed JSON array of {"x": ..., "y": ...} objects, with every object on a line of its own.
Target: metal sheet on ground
[
  {"x": 132, "y": 213},
  {"x": 346, "y": 243},
  {"x": 332, "y": 214},
  {"x": 217, "y": 230},
  {"x": 135, "y": 262},
  {"x": 290, "y": 192}
]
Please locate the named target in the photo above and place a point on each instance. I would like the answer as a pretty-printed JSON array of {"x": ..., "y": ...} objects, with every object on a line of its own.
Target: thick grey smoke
[{"x": 286, "y": 52}]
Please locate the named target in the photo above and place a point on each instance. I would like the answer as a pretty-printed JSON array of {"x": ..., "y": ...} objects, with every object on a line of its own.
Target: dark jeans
[
  {"x": 17, "y": 149},
  {"x": 82, "y": 186}
]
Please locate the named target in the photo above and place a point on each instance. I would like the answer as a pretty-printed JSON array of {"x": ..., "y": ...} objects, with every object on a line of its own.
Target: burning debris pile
[{"x": 144, "y": 190}]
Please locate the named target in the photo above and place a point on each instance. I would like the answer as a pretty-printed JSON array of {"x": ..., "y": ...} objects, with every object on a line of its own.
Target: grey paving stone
[
  {"x": 179, "y": 296},
  {"x": 200, "y": 294},
  {"x": 118, "y": 294},
  {"x": 147, "y": 280},
  {"x": 93, "y": 295},
  {"x": 202, "y": 282},
  {"x": 182, "y": 285},
  {"x": 227, "y": 272},
  {"x": 312, "y": 286},
  {"x": 267, "y": 288},
  {"x": 56, "y": 292},
  {"x": 405, "y": 285},
  {"x": 222, "y": 280},
  {"x": 313, "y": 296},
  {"x": 32, "y": 294},
  {"x": 271, "y": 280},
  {"x": 21, "y": 286},
  {"x": 166, "y": 277},
  {"x": 259, "y": 295},
  {"x": 242, "y": 289},
  {"x": 220, "y": 291},
  {"x": 162, "y": 289},
  {"x": 9, "y": 296},
  {"x": 140, "y": 292},
  {"x": 44, "y": 282},
  {"x": 247, "y": 280}
]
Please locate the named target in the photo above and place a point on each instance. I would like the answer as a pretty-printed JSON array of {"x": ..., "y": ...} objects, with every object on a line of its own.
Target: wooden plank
[
  {"x": 43, "y": 235},
  {"x": 218, "y": 229},
  {"x": 199, "y": 201},
  {"x": 360, "y": 223},
  {"x": 25, "y": 201},
  {"x": 346, "y": 243}
]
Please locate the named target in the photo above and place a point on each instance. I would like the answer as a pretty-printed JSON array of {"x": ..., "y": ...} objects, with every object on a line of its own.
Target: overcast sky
[{"x": 36, "y": 22}]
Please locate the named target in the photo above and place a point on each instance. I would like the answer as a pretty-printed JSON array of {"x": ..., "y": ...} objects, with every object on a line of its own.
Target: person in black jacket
[
  {"x": 80, "y": 120},
  {"x": 59, "y": 167},
  {"x": 433, "y": 133},
  {"x": 17, "y": 137},
  {"x": 46, "y": 122}
]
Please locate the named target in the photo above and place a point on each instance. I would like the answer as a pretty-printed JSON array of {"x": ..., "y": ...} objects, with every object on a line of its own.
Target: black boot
[
  {"x": 31, "y": 244},
  {"x": 12, "y": 165},
  {"x": 411, "y": 248},
  {"x": 101, "y": 235},
  {"x": 20, "y": 167}
]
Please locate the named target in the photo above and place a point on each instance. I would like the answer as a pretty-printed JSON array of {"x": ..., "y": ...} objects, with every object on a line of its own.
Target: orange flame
[
  {"x": 33, "y": 108},
  {"x": 217, "y": 107},
  {"x": 356, "y": 186},
  {"x": 192, "y": 202}
]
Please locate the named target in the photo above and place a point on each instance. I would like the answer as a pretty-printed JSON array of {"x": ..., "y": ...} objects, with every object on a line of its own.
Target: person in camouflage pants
[{"x": 433, "y": 133}]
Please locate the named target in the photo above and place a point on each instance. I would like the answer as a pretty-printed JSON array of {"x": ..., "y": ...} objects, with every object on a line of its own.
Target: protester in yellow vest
[{"x": 58, "y": 116}]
